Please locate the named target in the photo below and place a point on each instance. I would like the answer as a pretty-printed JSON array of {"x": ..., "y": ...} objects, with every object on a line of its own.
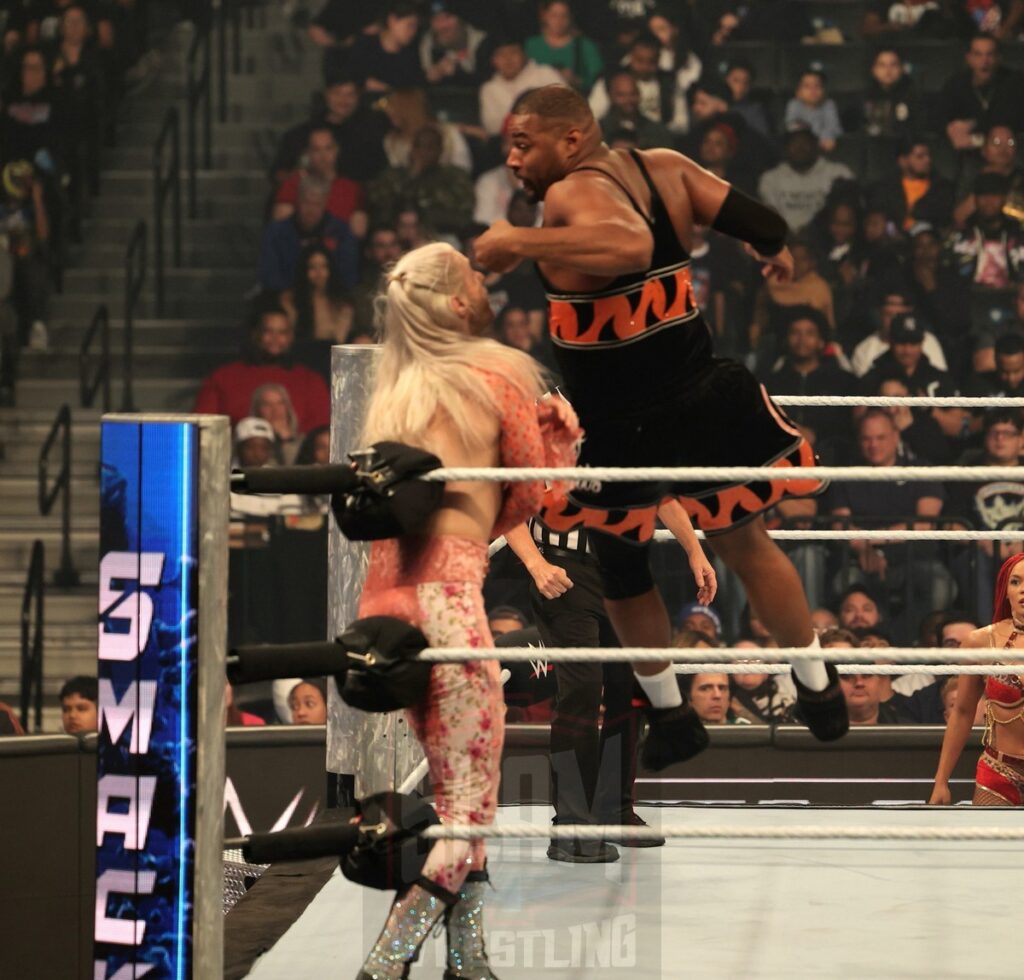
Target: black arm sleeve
[{"x": 750, "y": 221}]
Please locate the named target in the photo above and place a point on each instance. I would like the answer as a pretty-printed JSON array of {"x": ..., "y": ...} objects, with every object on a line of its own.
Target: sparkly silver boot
[
  {"x": 464, "y": 924},
  {"x": 414, "y": 913}
]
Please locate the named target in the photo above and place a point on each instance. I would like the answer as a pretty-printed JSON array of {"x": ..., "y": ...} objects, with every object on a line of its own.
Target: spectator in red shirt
[
  {"x": 267, "y": 360},
  {"x": 345, "y": 198}
]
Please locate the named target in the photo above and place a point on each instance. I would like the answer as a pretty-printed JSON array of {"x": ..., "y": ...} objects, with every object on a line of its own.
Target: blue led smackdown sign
[{"x": 145, "y": 811}]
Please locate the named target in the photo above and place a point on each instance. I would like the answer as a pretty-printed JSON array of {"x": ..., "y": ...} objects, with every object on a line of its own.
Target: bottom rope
[{"x": 722, "y": 832}]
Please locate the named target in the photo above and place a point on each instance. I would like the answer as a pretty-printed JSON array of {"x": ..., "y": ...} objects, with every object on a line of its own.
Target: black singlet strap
[
  {"x": 639, "y": 161},
  {"x": 625, "y": 190}
]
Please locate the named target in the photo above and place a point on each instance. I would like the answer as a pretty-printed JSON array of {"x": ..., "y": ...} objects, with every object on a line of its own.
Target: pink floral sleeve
[{"x": 532, "y": 434}]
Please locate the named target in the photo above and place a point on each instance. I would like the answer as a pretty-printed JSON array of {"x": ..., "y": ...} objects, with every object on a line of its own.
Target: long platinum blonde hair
[{"x": 427, "y": 363}]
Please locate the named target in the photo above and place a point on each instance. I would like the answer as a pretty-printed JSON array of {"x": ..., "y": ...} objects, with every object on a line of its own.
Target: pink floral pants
[{"x": 435, "y": 584}]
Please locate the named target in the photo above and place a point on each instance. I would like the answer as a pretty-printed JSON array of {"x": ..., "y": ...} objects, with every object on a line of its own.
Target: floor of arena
[{"x": 717, "y": 909}]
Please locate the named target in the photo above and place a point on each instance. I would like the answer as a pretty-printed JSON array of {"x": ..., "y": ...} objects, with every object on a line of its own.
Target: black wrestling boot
[
  {"x": 415, "y": 911},
  {"x": 674, "y": 735},
  {"x": 573, "y": 851},
  {"x": 464, "y": 928},
  {"x": 823, "y": 712},
  {"x": 630, "y": 818}
]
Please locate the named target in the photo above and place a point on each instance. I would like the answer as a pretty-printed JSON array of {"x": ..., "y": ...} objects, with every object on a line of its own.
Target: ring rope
[
  {"x": 845, "y": 535},
  {"x": 724, "y": 474},
  {"x": 720, "y": 832},
  {"x": 898, "y": 655},
  {"x": 877, "y": 535},
  {"x": 891, "y": 670},
  {"x": 896, "y": 401}
]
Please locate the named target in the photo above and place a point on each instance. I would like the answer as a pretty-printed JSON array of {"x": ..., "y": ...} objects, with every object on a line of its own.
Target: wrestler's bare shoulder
[{"x": 982, "y": 637}]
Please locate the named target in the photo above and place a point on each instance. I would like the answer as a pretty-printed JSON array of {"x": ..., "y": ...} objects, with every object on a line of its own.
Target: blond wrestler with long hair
[{"x": 444, "y": 387}]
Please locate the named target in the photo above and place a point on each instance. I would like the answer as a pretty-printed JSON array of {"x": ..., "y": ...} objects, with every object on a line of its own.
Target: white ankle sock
[
  {"x": 661, "y": 688},
  {"x": 812, "y": 673}
]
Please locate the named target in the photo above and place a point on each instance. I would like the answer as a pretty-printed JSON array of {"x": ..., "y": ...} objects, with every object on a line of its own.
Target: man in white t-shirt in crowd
[
  {"x": 513, "y": 75},
  {"x": 894, "y": 304},
  {"x": 494, "y": 188}
]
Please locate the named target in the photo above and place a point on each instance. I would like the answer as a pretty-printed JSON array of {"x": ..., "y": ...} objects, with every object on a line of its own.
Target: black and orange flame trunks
[{"x": 717, "y": 416}]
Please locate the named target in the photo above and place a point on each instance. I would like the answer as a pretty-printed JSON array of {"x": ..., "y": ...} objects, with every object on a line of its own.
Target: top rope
[{"x": 726, "y": 474}]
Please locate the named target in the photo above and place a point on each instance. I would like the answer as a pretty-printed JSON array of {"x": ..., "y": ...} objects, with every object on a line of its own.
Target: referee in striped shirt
[{"x": 592, "y": 771}]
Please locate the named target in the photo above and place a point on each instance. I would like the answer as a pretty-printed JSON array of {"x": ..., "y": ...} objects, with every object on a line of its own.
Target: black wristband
[{"x": 750, "y": 221}]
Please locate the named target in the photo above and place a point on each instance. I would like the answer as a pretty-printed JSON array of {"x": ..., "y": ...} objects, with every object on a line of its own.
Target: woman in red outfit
[
  {"x": 999, "y": 780},
  {"x": 442, "y": 386}
]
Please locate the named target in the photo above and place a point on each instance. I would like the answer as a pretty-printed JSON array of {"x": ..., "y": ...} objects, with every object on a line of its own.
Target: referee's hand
[{"x": 551, "y": 581}]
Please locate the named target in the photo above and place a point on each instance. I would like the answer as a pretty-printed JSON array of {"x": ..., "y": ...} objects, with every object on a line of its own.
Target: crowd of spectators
[
  {"x": 896, "y": 167},
  {"x": 63, "y": 66}
]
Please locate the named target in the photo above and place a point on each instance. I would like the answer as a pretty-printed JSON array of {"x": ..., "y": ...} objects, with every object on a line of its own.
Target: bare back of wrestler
[
  {"x": 469, "y": 508},
  {"x": 614, "y": 256}
]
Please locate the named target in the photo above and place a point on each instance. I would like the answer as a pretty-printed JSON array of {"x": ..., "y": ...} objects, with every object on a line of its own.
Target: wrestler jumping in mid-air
[
  {"x": 473, "y": 402},
  {"x": 637, "y": 360}
]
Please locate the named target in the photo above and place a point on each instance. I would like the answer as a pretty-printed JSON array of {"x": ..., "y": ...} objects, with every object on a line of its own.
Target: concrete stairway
[{"x": 198, "y": 330}]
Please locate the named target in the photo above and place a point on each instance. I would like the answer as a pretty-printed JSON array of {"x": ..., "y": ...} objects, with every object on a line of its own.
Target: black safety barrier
[
  {"x": 66, "y": 575},
  {"x": 166, "y": 184},
  {"x": 198, "y": 98},
  {"x": 91, "y": 380},
  {"x": 32, "y": 602},
  {"x": 135, "y": 263}
]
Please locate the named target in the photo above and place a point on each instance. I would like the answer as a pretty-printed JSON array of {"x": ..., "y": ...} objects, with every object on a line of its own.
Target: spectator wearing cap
[
  {"x": 514, "y": 74},
  {"x": 919, "y": 429},
  {"x": 798, "y": 187},
  {"x": 625, "y": 115},
  {"x": 701, "y": 619},
  {"x": 1007, "y": 380},
  {"x": 992, "y": 505},
  {"x": 26, "y": 225},
  {"x": 905, "y": 359},
  {"x": 452, "y": 51},
  {"x": 916, "y": 192},
  {"x": 894, "y": 303},
  {"x": 255, "y": 443},
  {"x": 505, "y": 619},
  {"x": 811, "y": 107},
  {"x": 960, "y": 427},
  {"x": 662, "y": 100},
  {"x": 858, "y": 608},
  {"x": 998, "y": 156},
  {"x": 990, "y": 250},
  {"x": 804, "y": 369},
  {"x": 979, "y": 96}
]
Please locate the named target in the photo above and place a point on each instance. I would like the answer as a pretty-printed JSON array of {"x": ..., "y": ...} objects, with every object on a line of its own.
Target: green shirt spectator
[{"x": 561, "y": 46}]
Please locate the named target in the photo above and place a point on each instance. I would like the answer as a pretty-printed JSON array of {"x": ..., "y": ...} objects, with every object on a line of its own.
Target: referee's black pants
[{"x": 592, "y": 766}]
